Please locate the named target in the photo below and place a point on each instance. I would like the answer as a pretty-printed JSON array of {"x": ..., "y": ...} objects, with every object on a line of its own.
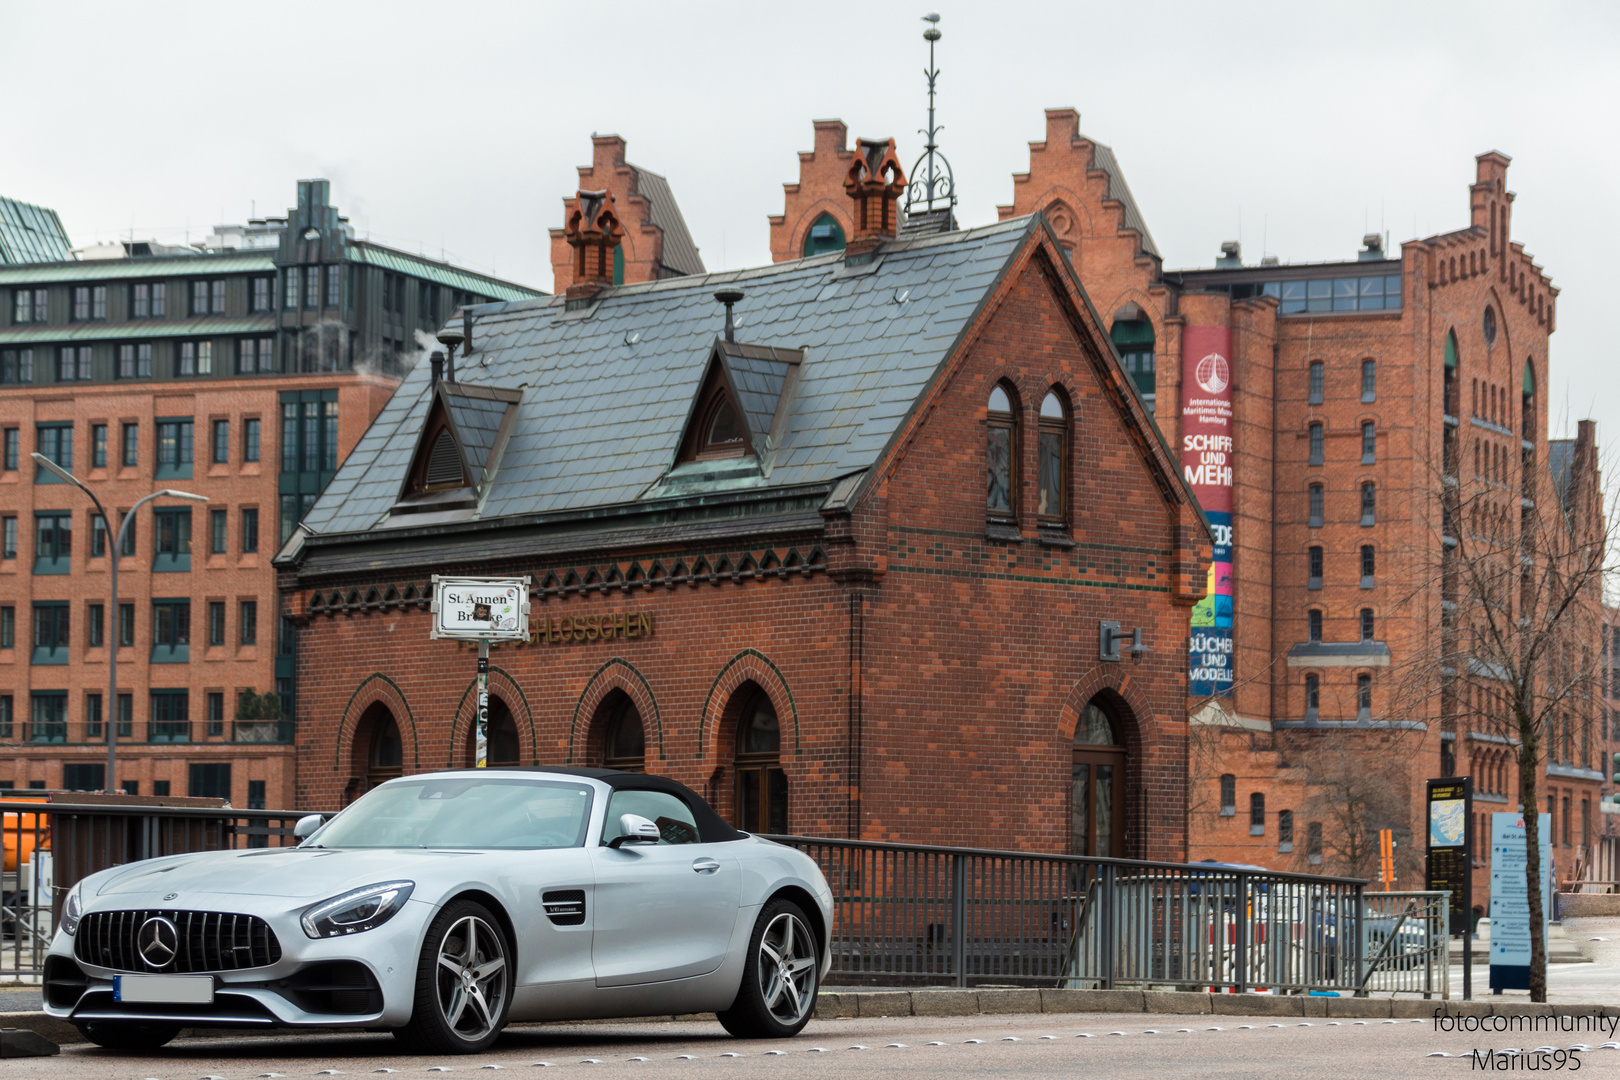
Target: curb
[
  {"x": 852, "y": 1004},
  {"x": 835, "y": 1004}
]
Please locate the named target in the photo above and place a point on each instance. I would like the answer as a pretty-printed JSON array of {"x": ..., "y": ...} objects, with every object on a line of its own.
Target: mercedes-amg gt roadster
[{"x": 444, "y": 905}]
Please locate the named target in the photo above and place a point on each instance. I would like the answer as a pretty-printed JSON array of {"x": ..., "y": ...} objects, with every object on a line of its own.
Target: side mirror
[
  {"x": 634, "y": 829},
  {"x": 307, "y": 825}
]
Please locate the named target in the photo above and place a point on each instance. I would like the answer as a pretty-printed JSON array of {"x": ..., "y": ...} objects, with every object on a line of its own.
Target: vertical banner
[
  {"x": 1206, "y": 459},
  {"x": 1510, "y": 901}
]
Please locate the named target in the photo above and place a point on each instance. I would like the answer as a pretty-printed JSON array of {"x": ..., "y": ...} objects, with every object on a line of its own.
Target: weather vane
[{"x": 931, "y": 179}]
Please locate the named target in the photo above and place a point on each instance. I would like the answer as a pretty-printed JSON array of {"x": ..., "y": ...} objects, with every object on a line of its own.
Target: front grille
[{"x": 208, "y": 941}]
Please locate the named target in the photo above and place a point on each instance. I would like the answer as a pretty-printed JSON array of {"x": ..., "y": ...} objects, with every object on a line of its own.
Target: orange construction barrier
[{"x": 20, "y": 832}]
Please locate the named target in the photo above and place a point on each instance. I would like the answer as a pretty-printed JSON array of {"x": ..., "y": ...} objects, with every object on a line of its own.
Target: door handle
[{"x": 705, "y": 865}]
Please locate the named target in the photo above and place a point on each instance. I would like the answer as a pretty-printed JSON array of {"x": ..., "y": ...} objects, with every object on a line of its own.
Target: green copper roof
[
  {"x": 143, "y": 330},
  {"x": 30, "y": 233},
  {"x": 442, "y": 273},
  {"x": 141, "y": 267}
]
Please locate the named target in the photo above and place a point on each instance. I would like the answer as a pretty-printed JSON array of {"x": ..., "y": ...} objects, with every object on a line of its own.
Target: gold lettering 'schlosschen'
[{"x": 603, "y": 627}]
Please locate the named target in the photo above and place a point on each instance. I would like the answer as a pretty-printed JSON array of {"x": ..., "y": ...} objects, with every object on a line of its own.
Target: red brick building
[
  {"x": 243, "y": 370},
  {"x": 1359, "y": 390},
  {"x": 771, "y": 567}
]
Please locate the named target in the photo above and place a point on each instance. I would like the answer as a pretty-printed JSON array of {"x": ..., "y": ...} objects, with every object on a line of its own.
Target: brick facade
[{"x": 928, "y": 673}]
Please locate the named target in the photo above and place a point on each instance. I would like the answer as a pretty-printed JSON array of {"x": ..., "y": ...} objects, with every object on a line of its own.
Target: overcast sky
[{"x": 457, "y": 127}]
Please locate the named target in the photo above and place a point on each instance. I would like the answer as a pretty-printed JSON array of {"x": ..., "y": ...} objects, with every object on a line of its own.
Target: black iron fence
[
  {"x": 903, "y": 914},
  {"x": 909, "y": 914}
]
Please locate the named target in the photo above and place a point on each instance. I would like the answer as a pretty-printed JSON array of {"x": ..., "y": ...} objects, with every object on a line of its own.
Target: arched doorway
[
  {"x": 385, "y": 754},
  {"x": 501, "y": 735},
  {"x": 762, "y": 792},
  {"x": 624, "y": 738},
  {"x": 1097, "y": 799}
]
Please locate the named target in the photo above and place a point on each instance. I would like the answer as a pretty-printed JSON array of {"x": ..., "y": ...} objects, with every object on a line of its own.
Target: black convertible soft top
[{"x": 712, "y": 828}]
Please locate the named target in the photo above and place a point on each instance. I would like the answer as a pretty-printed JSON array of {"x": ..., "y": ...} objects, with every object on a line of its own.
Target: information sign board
[
  {"x": 1450, "y": 849},
  {"x": 1510, "y": 901},
  {"x": 481, "y": 609}
]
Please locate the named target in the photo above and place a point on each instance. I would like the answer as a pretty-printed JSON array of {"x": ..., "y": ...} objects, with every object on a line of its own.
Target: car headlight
[
  {"x": 72, "y": 911},
  {"x": 362, "y": 909}
]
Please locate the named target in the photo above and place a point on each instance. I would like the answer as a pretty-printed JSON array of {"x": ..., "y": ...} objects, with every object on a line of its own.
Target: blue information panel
[{"x": 1510, "y": 901}]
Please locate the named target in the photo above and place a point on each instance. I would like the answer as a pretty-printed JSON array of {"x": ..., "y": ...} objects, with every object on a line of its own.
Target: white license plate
[{"x": 164, "y": 989}]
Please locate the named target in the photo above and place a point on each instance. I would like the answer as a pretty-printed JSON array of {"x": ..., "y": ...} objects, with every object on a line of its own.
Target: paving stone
[
  {"x": 1181, "y": 1002},
  {"x": 1257, "y": 1005},
  {"x": 1009, "y": 1001},
  {"x": 945, "y": 1003},
  {"x": 835, "y": 1006},
  {"x": 1071, "y": 1001},
  {"x": 884, "y": 1004}
]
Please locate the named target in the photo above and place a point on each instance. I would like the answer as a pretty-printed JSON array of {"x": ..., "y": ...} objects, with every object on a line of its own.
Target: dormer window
[
  {"x": 443, "y": 464},
  {"x": 460, "y": 447},
  {"x": 740, "y": 405},
  {"x": 723, "y": 432}
]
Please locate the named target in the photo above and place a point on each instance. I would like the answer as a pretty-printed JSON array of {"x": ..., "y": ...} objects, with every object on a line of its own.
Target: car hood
[{"x": 289, "y": 872}]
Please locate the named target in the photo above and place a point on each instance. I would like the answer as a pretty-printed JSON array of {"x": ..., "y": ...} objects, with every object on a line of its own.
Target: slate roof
[
  {"x": 680, "y": 253},
  {"x": 758, "y": 374},
  {"x": 477, "y": 418},
  {"x": 364, "y": 251},
  {"x": 1118, "y": 189},
  {"x": 30, "y": 233},
  {"x": 606, "y": 392}
]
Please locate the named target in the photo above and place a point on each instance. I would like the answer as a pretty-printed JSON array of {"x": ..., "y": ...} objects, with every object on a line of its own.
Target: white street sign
[{"x": 481, "y": 609}]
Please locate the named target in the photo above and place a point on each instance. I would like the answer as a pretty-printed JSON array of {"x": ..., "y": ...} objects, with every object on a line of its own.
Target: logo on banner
[{"x": 1212, "y": 374}]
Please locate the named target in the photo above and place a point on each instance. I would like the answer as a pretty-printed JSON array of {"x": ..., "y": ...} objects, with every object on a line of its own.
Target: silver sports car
[{"x": 445, "y": 905}]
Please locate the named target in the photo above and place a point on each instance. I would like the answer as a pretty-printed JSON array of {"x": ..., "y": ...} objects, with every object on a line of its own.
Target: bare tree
[
  {"x": 1517, "y": 562},
  {"x": 1358, "y": 787}
]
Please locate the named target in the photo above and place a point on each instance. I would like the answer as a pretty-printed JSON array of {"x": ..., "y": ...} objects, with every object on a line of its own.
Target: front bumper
[{"x": 362, "y": 980}]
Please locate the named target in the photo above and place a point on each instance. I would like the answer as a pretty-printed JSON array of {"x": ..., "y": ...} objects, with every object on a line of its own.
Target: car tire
[
  {"x": 128, "y": 1035},
  {"x": 781, "y": 974},
  {"x": 465, "y": 962}
]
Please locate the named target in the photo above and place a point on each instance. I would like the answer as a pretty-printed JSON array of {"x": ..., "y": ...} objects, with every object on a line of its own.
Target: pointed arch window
[
  {"x": 1001, "y": 456},
  {"x": 762, "y": 792},
  {"x": 1053, "y": 505},
  {"x": 624, "y": 739},
  {"x": 825, "y": 235},
  {"x": 718, "y": 432}
]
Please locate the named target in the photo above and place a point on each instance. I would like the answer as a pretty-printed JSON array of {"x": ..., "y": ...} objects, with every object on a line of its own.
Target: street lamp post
[{"x": 109, "y": 715}]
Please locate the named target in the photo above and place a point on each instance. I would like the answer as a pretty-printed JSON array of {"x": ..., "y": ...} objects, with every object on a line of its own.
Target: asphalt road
[{"x": 1031, "y": 1047}]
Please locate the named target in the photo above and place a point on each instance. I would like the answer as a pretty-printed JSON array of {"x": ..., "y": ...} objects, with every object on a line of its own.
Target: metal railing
[
  {"x": 1406, "y": 942},
  {"x": 50, "y": 846},
  {"x": 903, "y": 914},
  {"x": 908, "y": 915}
]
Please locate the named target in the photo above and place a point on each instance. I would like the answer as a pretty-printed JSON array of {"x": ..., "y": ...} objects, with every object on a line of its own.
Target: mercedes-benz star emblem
[
  {"x": 157, "y": 941},
  {"x": 171, "y": 896}
]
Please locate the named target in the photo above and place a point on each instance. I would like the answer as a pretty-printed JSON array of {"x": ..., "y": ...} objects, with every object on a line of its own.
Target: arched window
[
  {"x": 624, "y": 739},
  {"x": 1488, "y": 325},
  {"x": 1257, "y": 813},
  {"x": 1314, "y": 622},
  {"x": 1313, "y": 843},
  {"x": 1001, "y": 454},
  {"x": 762, "y": 791},
  {"x": 500, "y": 738},
  {"x": 1369, "y": 503},
  {"x": 1363, "y": 697},
  {"x": 719, "y": 429},
  {"x": 1314, "y": 561},
  {"x": 1453, "y": 380},
  {"x": 1366, "y": 624},
  {"x": 384, "y": 755},
  {"x": 1315, "y": 395},
  {"x": 1313, "y": 697},
  {"x": 1097, "y": 792},
  {"x": 1228, "y": 795},
  {"x": 1316, "y": 508},
  {"x": 1369, "y": 443},
  {"x": 618, "y": 264},
  {"x": 1285, "y": 831},
  {"x": 1527, "y": 403},
  {"x": 1053, "y": 506},
  {"x": 1133, "y": 337},
  {"x": 825, "y": 235},
  {"x": 1369, "y": 380},
  {"x": 1369, "y": 565}
]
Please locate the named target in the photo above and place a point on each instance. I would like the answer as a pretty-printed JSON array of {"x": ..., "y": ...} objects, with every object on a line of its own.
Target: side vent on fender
[{"x": 565, "y": 907}]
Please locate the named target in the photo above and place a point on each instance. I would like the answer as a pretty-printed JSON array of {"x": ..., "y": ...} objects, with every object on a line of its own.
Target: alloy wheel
[
  {"x": 471, "y": 977},
  {"x": 787, "y": 969}
]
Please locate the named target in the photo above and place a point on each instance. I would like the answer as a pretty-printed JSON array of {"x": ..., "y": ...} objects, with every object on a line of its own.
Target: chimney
[
  {"x": 1372, "y": 248},
  {"x": 729, "y": 297},
  {"x": 593, "y": 231},
  {"x": 874, "y": 182},
  {"x": 436, "y": 364}
]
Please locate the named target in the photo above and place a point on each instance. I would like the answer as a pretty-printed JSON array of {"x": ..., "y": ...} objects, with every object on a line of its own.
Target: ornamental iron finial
[{"x": 933, "y": 186}]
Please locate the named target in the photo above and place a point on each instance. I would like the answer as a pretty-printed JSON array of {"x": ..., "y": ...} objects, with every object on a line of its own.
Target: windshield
[{"x": 471, "y": 812}]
